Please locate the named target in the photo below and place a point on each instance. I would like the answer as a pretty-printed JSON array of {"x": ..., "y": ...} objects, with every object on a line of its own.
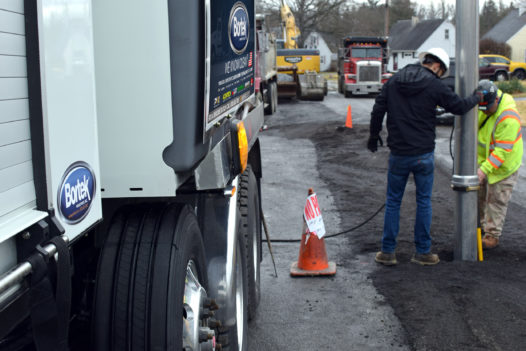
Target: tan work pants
[{"x": 493, "y": 202}]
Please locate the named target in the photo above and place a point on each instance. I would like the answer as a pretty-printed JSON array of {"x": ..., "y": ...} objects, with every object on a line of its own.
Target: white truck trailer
[
  {"x": 129, "y": 174},
  {"x": 266, "y": 68}
]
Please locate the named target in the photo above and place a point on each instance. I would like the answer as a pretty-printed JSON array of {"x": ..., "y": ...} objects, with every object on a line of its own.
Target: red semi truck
[{"x": 362, "y": 65}]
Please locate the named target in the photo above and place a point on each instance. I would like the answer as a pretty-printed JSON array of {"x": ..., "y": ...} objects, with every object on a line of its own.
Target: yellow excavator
[
  {"x": 290, "y": 31},
  {"x": 298, "y": 69}
]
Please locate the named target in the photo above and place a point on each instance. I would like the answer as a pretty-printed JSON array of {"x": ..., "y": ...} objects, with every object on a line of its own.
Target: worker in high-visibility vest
[
  {"x": 410, "y": 99},
  {"x": 499, "y": 158}
]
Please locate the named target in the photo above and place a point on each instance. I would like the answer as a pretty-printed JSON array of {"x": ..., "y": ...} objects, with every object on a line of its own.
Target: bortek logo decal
[
  {"x": 76, "y": 192},
  {"x": 238, "y": 28},
  {"x": 294, "y": 59}
]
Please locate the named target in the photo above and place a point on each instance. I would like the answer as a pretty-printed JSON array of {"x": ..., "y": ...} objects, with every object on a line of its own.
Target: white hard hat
[{"x": 439, "y": 53}]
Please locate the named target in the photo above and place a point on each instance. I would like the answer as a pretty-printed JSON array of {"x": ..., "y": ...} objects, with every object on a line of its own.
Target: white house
[
  {"x": 512, "y": 31},
  {"x": 315, "y": 41},
  {"x": 410, "y": 37}
]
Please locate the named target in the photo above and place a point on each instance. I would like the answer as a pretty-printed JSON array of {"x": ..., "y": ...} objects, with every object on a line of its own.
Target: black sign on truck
[{"x": 231, "y": 55}]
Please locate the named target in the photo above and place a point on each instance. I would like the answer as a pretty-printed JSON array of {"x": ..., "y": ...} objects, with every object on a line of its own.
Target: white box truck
[{"x": 129, "y": 174}]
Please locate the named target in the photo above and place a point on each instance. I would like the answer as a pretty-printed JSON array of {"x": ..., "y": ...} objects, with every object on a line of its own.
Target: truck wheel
[
  {"x": 501, "y": 76},
  {"x": 520, "y": 74},
  {"x": 250, "y": 229},
  {"x": 347, "y": 94},
  {"x": 234, "y": 338},
  {"x": 274, "y": 86},
  {"x": 269, "y": 99},
  {"x": 151, "y": 282}
]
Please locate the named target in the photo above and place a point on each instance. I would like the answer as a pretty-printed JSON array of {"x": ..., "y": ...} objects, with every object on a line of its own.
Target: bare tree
[
  {"x": 432, "y": 12},
  {"x": 421, "y": 12},
  {"x": 309, "y": 14}
]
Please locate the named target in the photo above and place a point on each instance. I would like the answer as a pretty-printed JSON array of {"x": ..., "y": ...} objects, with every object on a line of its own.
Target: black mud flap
[{"x": 50, "y": 308}]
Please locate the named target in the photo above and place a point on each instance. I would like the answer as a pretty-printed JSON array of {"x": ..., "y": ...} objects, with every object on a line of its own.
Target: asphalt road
[{"x": 344, "y": 312}]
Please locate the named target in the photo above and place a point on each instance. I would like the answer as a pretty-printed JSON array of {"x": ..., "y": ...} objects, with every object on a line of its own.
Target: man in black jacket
[{"x": 410, "y": 98}]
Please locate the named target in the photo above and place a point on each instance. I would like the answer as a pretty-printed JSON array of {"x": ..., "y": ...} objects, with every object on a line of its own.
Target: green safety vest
[{"x": 499, "y": 151}]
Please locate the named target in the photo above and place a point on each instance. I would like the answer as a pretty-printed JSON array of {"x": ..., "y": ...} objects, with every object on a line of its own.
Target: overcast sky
[{"x": 453, "y": 2}]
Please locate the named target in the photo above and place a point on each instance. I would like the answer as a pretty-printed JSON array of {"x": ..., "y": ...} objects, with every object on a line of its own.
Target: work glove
[
  {"x": 372, "y": 144},
  {"x": 479, "y": 94}
]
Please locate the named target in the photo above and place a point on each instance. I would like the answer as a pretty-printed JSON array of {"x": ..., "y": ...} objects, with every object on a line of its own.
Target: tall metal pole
[
  {"x": 386, "y": 19},
  {"x": 465, "y": 180}
]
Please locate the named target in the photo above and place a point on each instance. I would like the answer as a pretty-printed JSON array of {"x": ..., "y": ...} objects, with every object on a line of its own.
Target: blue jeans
[{"x": 422, "y": 167}]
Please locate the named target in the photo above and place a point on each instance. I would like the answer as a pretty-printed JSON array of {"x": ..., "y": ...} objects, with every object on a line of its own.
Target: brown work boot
[
  {"x": 490, "y": 242},
  {"x": 428, "y": 259},
  {"x": 387, "y": 259}
]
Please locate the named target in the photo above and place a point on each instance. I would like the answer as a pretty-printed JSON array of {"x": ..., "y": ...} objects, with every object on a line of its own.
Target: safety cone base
[{"x": 298, "y": 272}]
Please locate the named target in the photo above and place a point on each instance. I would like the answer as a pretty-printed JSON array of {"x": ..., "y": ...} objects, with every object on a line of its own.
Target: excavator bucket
[{"x": 312, "y": 86}]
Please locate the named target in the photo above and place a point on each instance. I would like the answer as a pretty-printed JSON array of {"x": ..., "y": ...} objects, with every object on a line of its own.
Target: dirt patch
[
  {"x": 452, "y": 306},
  {"x": 521, "y": 107}
]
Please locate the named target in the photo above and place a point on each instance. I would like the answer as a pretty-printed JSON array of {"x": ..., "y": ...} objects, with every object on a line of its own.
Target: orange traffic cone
[
  {"x": 312, "y": 260},
  {"x": 348, "y": 121}
]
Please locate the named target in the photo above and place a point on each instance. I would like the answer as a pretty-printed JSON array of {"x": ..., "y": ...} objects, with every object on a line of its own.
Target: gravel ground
[{"x": 452, "y": 306}]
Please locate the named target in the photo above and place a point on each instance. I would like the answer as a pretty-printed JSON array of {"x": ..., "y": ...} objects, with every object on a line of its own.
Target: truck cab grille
[{"x": 369, "y": 73}]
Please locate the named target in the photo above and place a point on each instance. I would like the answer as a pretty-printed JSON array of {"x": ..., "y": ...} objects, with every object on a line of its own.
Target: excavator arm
[{"x": 290, "y": 31}]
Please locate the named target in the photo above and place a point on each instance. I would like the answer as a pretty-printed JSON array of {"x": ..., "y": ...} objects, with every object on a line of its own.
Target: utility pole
[
  {"x": 386, "y": 19},
  {"x": 465, "y": 180}
]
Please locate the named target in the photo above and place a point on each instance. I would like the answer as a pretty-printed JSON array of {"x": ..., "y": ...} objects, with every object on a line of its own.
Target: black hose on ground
[{"x": 335, "y": 234}]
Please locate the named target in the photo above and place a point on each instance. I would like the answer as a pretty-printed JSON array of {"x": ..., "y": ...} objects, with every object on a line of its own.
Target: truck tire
[
  {"x": 234, "y": 338},
  {"x": 151, "y": 255},
  {"x": 269, "y": 99},
  {"x": 519, "y": 74},
  {"x": 501, "y": 76},
  {"x": 250, "y": 229},
  {"x": 274, "y": 86}
]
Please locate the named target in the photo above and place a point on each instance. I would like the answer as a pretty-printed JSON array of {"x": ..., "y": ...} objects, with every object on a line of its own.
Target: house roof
[
  {"x": 406, "y": 36},
  {"x": 330, "y": 39},
  {"x": 507, "y": 27}
]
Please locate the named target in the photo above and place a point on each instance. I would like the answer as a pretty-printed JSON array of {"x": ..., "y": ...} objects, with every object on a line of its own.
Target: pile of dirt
[{"x": 455, "y": 305}]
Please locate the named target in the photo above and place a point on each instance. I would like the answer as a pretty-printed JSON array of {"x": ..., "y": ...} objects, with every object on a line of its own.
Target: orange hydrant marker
[{"x": 479, "y": 245}]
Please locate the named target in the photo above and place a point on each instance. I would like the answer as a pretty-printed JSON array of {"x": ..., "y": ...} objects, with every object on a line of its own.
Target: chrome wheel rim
[
  {"x": 240, "y": 309},
  {"x": 255, "y": 256},
  {"x": 193, "y": 301}
]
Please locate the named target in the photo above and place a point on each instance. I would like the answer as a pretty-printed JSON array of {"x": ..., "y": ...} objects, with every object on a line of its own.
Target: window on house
[
  {"x": 446, "y": 34},
  {"x": 415, "y": 55},
  {"x": 408, "y": 54}
]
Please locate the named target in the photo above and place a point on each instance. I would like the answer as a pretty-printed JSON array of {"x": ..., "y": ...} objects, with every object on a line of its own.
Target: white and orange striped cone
[{"x": 312, "y": 260}]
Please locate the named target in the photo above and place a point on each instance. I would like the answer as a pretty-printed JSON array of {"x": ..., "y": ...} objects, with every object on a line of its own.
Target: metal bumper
[{"x": 363, "y": 88}]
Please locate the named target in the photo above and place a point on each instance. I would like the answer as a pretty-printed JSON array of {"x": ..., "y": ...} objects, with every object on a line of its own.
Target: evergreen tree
[
  {"x": 489, "y": 16},
  {"x": 401, "y": 10}
]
